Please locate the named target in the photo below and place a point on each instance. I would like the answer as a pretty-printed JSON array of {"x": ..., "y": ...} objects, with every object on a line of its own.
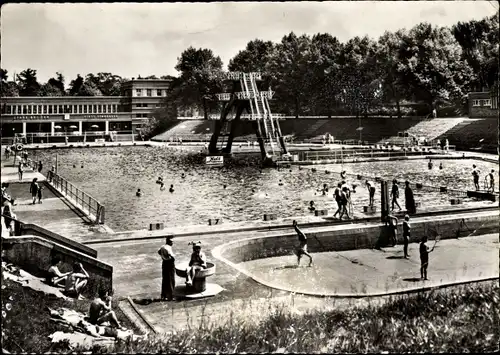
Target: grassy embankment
[
  {"x": 26, "y": 322},
  {"x": 456, "y": 319}
]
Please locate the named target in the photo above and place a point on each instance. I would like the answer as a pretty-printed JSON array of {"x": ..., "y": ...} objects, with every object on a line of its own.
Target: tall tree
[
  {"x": 201, "y": 77},
  {"x": 57, "y": 83},
  {"x": 49, "y": 89},
  {"x": 325, "y": 75},
  {"x": 430, "y": 61},
  {"x": 290, "y": 71},
  {"x": 361, "y": 73},
  {"x": 75, "y": 85},
  {"x": 107, "y": 83},
  {"x": 254, "y": 58},
  {"x": 28, "y": 83},
  {"x": 393, "y": 85},
  {"x": 89, "y": 89},
  {"x": 7, "y": 88}
]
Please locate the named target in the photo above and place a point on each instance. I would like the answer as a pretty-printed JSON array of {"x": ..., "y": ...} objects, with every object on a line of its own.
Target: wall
[
  {"x": 482, "y": 111},
  {"x": 356, "y": 237},
  {"x": 33, "y": 254}
]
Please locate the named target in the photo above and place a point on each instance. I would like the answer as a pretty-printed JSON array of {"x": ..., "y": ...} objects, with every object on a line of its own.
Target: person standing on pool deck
[
  {"x": 167, "y": 269},
  {"x": 475, "y": 175},
  {"x": 20, "y": 170},
  {"x": 430, "y": 164},
  {"x": 424, "y": 258},
  {"x": 393, "y": 225},
  {"x": 345, "y": 198},
  {"x": 337, "y": 196},
  {"x": 302, "y": 249},
  {"x": 406, "y": 235},
  {"x": 395, "y": 194},
  {"x": 371, "y": 190},
  {"x": 409, "y": 199},
  {"x": 491, "y": 187}
]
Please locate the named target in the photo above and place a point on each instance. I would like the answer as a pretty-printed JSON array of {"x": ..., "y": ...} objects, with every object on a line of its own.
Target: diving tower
[{"x": 245, "y": 96}]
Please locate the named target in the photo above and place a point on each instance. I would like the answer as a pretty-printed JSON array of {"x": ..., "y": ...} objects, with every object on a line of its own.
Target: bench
[{"x": 200, "y": 279}]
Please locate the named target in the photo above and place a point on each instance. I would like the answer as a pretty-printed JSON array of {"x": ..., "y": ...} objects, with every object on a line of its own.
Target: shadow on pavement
[
  {"x": 395, "y": 257},
  {"x": 286, "y": 267},
  {"x": 413, "y": 279}
]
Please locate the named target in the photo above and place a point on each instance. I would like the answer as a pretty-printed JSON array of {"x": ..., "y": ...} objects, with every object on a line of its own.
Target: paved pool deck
[{"x": 137, "y": 267}]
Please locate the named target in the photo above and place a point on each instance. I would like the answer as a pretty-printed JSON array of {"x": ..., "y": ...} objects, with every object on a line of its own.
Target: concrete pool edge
[
  {"x": 219, "y": 251},
  {"x": 262, "y": 226}
]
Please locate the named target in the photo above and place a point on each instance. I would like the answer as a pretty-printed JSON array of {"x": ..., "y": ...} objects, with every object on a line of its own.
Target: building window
[
  {"x": 158, "y": 92},
  {"x": 487, "y": 102},
  {"x": 138, "y": 105},
  {"x": 475, "y": 103},
  {"x": 61, "y": 109},
  {"x": 8, "y": 109},
  {"x": 50, "y": 109},
  {"x": 99, "y": 109},
  {"x": 148, "y": 92},
  {"x": 105, "y": 108},
  {"x": 138, "y": 92}
]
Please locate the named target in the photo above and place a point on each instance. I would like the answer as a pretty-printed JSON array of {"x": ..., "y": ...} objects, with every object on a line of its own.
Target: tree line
[
  {"x": 319, "y": 75},
  {"x": 100, "y": 84}
]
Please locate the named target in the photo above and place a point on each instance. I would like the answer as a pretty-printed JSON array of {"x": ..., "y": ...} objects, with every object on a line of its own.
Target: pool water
[{"x": 113, "y": 175}]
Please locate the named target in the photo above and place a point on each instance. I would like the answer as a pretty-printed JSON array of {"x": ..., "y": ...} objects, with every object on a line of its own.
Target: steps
[
  {"x": 261, "y": 112},
  {"x": 430, "y": 129}
]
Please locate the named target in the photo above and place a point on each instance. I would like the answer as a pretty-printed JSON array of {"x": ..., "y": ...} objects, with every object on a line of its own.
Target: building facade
[
  {"x": 483, "y": 104},
  {"x": 80, "y": 115}
]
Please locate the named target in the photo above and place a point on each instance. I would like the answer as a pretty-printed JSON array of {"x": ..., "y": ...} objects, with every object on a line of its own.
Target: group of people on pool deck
[
  {"x": 197, "y": 262},
  {"x": 343, "y": 191}
]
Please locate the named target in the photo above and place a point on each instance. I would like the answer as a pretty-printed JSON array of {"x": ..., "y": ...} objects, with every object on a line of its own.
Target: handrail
[
  {"x": 22, "y": 228},
  {"x": 88, "y": 204}
]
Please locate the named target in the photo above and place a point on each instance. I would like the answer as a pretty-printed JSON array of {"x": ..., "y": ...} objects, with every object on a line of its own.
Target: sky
[{"x": 130, "y": 39}]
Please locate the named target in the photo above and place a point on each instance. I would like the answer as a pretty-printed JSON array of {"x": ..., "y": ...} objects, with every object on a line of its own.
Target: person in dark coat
[
  {"x": 409, "y": 199},
  {"x": 168, "y": 270}
]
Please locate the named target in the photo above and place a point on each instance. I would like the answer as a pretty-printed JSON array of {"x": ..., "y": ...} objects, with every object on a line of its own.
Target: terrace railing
[
  {"x": 352, "y": 155},
  {"x": 86, "y": 203}
]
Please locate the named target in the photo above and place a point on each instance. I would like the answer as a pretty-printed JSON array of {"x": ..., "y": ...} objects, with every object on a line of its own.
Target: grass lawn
[{"x": 456, "y": 319}]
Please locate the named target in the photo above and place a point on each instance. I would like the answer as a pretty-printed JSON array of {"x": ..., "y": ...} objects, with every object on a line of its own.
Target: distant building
[
  {"x": 483, "y": 104},
  {"x": 76, "y": 115}
]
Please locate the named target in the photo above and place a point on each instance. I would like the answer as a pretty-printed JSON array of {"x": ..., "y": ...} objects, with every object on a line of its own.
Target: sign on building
[{"x": 214, "y": 160}]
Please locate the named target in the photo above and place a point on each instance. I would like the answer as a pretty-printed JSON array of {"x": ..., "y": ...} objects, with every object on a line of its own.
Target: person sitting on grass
[
  {"x": 198, "y": 262},
  {"x": 76, "y": 281},
  {"x": 56, "y": 277},
  {"x": 100, "y": 311}
]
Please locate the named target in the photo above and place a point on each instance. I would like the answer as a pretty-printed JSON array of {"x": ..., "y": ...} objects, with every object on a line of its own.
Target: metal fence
[{"x": 89, "y": 205}]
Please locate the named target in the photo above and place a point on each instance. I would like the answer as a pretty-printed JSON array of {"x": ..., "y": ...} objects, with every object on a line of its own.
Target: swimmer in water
[
  {"x": 343, "y": 174},
  {"x": 171, "y": 188},
  {"x": 440, "y": 166},
  {"x": 311, "y": 206},
  {"x": 183, "y": 175},
  {"x": 280, "y": 183},
  {"x": 430, "y": 164},
  {"x": 224, "y": 186},
  {"x": 138, "y": 193},
  {"x": 162, "y": 186},
  {"x": 160, "y": 180},
  {"x": 324, "y": 190}
]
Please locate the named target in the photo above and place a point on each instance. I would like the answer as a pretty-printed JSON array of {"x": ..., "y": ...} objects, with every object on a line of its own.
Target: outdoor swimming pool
[{"x": 112, "y": 176}]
